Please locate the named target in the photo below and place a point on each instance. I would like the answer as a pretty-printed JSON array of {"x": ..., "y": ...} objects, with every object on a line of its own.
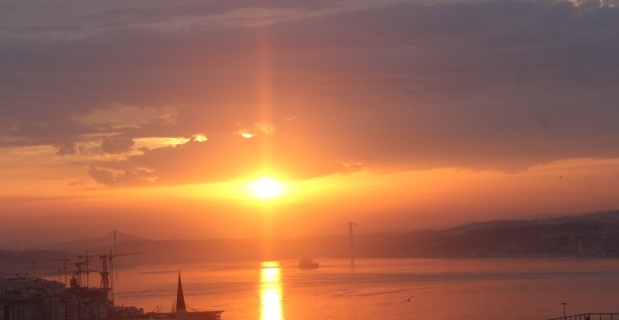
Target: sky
[{"x": 154, "y": 117}]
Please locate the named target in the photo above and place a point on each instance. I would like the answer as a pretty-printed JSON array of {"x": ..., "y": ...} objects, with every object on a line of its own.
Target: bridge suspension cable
[
  {"x": 114, "y": 233},
  {"x": 323, "y": 231},
  {"x": 376, "y": 233}
]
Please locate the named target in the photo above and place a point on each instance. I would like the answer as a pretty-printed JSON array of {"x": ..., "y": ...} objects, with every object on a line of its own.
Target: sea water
[{"x": 505, "y": 288}]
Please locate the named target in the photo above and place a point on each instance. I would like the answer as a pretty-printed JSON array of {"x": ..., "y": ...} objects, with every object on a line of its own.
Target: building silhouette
[{"x": 181, "y": 311}]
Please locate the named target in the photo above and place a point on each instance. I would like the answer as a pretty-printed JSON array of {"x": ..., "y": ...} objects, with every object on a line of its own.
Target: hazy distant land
[{"x": 589, "y": 236}]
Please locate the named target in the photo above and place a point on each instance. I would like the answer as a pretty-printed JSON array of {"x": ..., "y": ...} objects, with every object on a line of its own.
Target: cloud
[
  {"x": 116, "y": 145},
  {"x": 493, "y": 85},
  {"x": 259, "y": 127},
  {"x": 199, "y": 137},
  {"x": 94, "y": 18},
  {"x": 265, "y": 127},
  {"x": 245, "y": 134},
  {"x": 120, "y": 116},
  {"x": 219, "y": 160},
  {"x": 102, "y": 176},
  {"x": 137, "y": 177},
  {"x": 67, "y": 149}
]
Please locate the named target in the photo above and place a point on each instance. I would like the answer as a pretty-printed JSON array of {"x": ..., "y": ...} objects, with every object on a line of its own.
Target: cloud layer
[{"x": 319, "y": 85}]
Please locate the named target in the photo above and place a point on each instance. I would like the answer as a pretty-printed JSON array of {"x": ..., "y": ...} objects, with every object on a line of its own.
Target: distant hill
[
  {"x": 103, "y": 243},
  {"x": 68, "y": 245},
  {"x": 610, "y": 217},
  {"x": 46, "y": 262},
  {"x": 587, "y": 235}
]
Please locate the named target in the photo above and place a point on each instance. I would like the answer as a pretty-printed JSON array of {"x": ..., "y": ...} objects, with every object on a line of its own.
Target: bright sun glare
[{"x": 266, "y": 188}]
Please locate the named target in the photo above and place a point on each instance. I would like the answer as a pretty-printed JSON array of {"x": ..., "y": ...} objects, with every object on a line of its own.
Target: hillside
[{"x": 590, "y": 235}]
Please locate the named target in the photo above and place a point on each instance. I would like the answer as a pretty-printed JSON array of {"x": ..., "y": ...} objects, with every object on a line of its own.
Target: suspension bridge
[
  {"x": 108, "y": 246},
  {"x": 338, "y": 236}
]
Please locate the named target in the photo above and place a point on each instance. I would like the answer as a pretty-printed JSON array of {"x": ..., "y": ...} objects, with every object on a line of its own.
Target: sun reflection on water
[{"x": 271, "y": 292}]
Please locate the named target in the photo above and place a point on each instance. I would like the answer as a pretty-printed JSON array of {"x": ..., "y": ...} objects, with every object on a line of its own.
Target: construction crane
[
  {"x": 82, "y": 268},
  {"x": 59, "y": 272},
  {"x": 78, "y": 276},
  {"x": 65, "y": 260},
  {"x": 107, "y": 264}
]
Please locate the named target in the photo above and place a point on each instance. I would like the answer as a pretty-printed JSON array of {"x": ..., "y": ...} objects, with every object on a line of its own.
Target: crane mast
[
  {"x": 65, "y": 260},
  {"x": 82, "y": 268},
  {"x": 107, "y": 279}
]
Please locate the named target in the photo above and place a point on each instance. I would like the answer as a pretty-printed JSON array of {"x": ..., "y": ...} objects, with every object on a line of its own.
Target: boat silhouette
[{"x": 306, "y": 263}]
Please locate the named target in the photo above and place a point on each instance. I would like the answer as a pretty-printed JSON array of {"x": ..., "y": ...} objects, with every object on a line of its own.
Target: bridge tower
[{"x": 352, "y": 251}]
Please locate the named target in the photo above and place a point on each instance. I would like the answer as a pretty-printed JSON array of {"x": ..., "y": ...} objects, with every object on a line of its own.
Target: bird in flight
[{"x": 408, "y": 300}]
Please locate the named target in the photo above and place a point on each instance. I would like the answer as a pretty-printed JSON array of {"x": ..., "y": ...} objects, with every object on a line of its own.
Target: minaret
[{"x": 181, "y": 313}]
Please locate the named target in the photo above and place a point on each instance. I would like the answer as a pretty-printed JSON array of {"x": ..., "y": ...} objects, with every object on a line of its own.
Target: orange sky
[
  {"x": 391, "y": 201},
  {"x": 400, "y": 115}
]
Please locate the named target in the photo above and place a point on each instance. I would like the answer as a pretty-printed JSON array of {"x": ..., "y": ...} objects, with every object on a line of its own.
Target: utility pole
[
  {"x": 564, "y": 303},
  {"x": 352, "y": 252}
]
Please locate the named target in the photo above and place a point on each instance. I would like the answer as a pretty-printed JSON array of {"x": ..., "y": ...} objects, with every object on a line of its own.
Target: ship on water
[{"x": 307, "y": 263}]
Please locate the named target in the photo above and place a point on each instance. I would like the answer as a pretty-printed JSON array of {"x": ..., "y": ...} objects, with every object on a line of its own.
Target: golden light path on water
[{"x": 271, "y": 292}]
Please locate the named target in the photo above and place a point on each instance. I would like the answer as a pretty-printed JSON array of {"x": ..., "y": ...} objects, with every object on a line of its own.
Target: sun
[{"x": 266, "y": 188}]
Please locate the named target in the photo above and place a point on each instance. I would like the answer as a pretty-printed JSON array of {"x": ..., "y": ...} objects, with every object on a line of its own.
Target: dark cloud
[
  {"x": 102, "y": 176},
  {"x": 116, "y": 144},
  {"x": 44, "y": 29},
  {"x": 77, "y": 183},
  {"x": 67, "y": 149},
  {"x": 15, "y": 143},
  {"x": 127, "y": 17},
  {"x": 491, "y": 85},
  {"x": 106, "y": 177},
  {"x": 221, "y": 160}
]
